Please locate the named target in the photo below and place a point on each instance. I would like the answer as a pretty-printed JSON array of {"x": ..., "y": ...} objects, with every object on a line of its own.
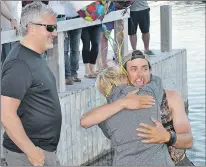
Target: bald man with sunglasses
[{"x": 30, "y": 107}]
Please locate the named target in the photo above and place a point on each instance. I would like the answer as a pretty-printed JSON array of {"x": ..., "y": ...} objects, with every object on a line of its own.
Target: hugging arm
[
  {"x": 181, "y": 123},
  {"x": 158, "y": 134},
  {"x": 132, "y": 102},
  {"x": 99, "y": 114}
]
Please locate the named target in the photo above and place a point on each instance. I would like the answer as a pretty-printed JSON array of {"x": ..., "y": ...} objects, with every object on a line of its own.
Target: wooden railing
[
  {"x": 56, "y": 55},
  {"x": 77, "y": 145}
]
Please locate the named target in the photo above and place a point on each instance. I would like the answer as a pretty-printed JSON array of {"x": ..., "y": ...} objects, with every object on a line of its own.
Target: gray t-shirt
[
  {"x": 27, "y": 77},
  {"x": 121, "y": 129},
  {"x": 139, "y": 5}
]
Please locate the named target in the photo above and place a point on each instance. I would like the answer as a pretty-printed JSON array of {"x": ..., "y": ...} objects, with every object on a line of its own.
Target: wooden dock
[{"x": 79, "y": 146}]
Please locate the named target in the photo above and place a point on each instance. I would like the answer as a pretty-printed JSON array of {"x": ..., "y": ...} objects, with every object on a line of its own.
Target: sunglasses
[{"x": 49, "y": 28}]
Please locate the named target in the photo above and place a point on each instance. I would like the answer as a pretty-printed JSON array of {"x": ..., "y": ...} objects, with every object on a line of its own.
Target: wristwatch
[{"x": 173, "y": 138}]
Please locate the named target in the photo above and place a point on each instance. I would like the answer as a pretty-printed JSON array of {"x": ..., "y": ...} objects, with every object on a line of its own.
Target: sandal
[{"x": 90, "y": 76}]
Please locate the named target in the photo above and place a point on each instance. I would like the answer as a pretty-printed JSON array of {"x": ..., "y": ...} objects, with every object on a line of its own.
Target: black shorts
[{"x": 141, "y": 18}]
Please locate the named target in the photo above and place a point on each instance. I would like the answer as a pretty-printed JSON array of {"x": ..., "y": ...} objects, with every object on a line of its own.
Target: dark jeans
[
  {"x": 90, "y": 34},
  {"x": 71, "y": 52}
]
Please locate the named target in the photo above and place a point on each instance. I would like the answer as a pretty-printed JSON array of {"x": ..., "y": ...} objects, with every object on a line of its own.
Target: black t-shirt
[{"x": 27, "y": 77}]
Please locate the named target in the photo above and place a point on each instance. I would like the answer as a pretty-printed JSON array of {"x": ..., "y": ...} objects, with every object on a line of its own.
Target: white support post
[
  {"x": 166, "y": 28},
  {"x": 56, "y": 61},
  {"x": 125, "y": 48},
  {"x": 121, "y": 34}
]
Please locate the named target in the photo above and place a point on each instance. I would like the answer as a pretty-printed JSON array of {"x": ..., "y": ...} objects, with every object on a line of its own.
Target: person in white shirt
[
  {"x": 10, "y": 19},
  {"x": 71, "y": 47},
  {"x": 59, "y": 9},
  {"x": 67, "y": 10}
]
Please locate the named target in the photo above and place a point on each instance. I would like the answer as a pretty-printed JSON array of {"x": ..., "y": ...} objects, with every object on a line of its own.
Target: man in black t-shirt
[{"x": 30, "y": 107}]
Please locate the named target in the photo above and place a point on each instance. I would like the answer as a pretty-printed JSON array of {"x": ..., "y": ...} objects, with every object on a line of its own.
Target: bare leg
[
  {"x": 89, "y": 71},
  {"x": 91, "y": 67},
  {"x": 98, "y": 63},
  {"x": 146, "y": 39},
  {"x": 103, "y": 50},
  {"x": 87, "y": 68},
  {"x": 133, "y": 41}
]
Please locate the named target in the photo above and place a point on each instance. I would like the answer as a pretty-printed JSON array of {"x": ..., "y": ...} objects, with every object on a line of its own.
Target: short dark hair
[{"x": 136, "y": 54}]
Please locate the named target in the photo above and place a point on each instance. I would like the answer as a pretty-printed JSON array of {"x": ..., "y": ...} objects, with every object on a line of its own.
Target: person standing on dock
[
  {"x": 30, "y": 107},
  {"x": 71, "y": 47},
  {"x": 59, "y": 9},
  {"x": 140, "y": 15},
  {"x": 103, "y": 43},
  {"x": 89, "y": 54}
]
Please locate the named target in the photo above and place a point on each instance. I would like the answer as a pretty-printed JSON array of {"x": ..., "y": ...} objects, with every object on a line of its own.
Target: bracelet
[{"x": 173, "y": 138}]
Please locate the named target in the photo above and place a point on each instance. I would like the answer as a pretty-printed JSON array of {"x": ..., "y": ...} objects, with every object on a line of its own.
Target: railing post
[
  {"x": 121, "y": 34},
  {"x": 56, "y": 55},
  {"x": 125, "y": 48},
  {"x": 56, "y": 61},
  {"x": 166, "y": 28}
]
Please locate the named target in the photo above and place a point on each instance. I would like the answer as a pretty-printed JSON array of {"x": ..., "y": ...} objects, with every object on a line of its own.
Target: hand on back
[{"x": 133, "y": 101}]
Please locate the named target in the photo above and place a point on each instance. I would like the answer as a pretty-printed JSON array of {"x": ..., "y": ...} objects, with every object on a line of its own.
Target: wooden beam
[
  {"x": 121, "y": 36},
  {"x": 10, "y": 35},
  {"x": 166, "y": 28},
  {"x": 55, "y": 56},
  {"x": 55, "y": 59},
  {"x": 80, "y": 22}
]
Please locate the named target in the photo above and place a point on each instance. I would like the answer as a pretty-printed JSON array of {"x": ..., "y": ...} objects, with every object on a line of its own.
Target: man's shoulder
[
  {"x": 22, "y": 53},
  {"x": 14, "y": 64},
  {"x": 18, "y": 55},
  {"x": 173, "y": 97},
  {"x": 15, "y": 53}
]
